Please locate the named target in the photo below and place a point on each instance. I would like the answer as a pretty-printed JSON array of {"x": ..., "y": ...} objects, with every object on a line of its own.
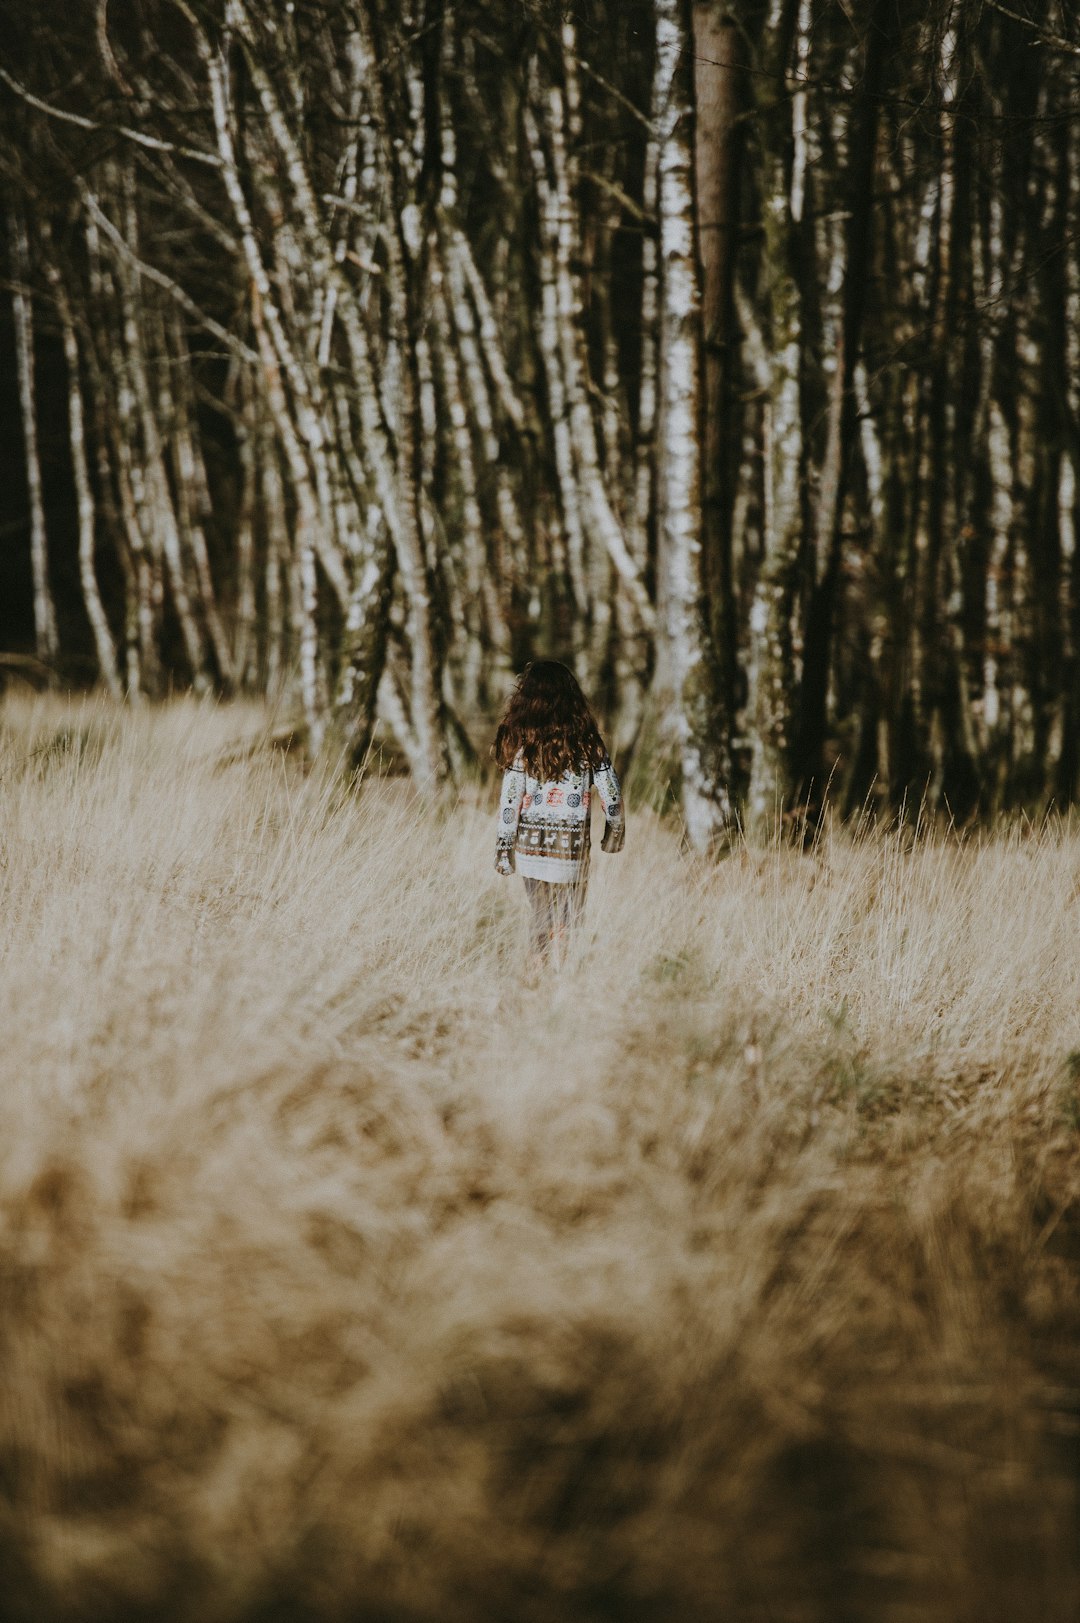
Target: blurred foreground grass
[{"x": 732, "y": 1275}]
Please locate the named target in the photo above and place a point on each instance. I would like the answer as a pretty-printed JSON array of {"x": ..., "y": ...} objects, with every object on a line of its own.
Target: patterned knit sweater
[{"x": 543, "y": 828}]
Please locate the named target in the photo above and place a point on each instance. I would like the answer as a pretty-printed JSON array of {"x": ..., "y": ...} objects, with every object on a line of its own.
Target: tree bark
[
  {"x": 687, "y": 679},
  {"x": 717, "y": 59},
  {"x": 46, "y": 640},
  {"x": 771, "y": 674},
  {"x": 809, "y": 767},
  {"x": 104, "y": 643}
]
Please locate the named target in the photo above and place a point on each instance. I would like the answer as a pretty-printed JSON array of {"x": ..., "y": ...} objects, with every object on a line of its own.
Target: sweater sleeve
[
  {"x": 607, "y": 784},
  {"x": 510, "y": 798}
]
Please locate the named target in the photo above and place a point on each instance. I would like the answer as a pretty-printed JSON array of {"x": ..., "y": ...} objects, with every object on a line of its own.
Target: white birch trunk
[
  {"x": 463, "y": 264},
  {"x": 602, "y": 526},
  {"x": 303, "y": 585},
  {"x": 403, "y": 240},
  {"x": 684, "y": 658},
  {"x": 771, "y": 673},
  {"x": 152, "y": 489},
  {"x": 147, "y": 596},
  {"x": 306, "y": 442},
  {"x": 588, "y": 515},
  {"x": 192, "y": 493},
  {"x": 548, "y": 322},
  {"x": 471, "y": 543}
]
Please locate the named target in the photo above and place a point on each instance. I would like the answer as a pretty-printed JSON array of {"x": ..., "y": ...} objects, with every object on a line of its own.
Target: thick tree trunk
[
  {"x": 687, "y": 679},
  {"x": 772, "y": 674},
  {"x": 717, "y": 58},
  {"x": 809, "y": 766},
  {"x": 1067, "y": 323}
]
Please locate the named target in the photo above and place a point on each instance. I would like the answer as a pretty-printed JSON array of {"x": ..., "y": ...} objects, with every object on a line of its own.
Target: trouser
[{"x": 555, "y": 909}]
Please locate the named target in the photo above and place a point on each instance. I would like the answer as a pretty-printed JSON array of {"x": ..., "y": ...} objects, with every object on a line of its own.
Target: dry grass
[{"x": 731, "y": 1276}]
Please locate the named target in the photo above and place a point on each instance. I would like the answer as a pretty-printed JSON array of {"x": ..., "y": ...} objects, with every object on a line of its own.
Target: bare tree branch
[{"x": 152, "y": 143}]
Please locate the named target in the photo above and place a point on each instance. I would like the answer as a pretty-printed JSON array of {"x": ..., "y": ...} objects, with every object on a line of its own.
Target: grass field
[{"x": 731, "y": 1275}]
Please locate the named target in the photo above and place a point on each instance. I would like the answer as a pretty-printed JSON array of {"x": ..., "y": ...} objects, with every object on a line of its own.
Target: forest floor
[{"x": 732, "y": 1273}]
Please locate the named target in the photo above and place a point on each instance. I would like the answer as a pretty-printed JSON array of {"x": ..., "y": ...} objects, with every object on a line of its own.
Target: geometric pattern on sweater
[{"x": 543, "y": 830}]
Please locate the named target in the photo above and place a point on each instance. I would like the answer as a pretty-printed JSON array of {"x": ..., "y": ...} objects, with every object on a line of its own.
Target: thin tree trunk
[
  {"x": 104, "y": 644},
  {"x": 244, "y": 655},
  {"x": 115, "y": 407},
  {"x": 1068, "y": 492},
  {"x": 157, "y": 508},
  {"x": 192, "y": 496},
  {"x": 548, "y": 330},
  {"x": 45, "y": 633},
  {"x": 272, "y": 499},
  {"x": 645, "y": 439}
]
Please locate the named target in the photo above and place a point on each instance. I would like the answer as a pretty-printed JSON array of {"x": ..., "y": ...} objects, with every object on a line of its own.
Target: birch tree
[
  {"x": 393, "y": 346},
  {"x": 687, "y": 675}
]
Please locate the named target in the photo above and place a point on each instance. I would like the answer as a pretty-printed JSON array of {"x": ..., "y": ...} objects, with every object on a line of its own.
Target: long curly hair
[{"x": 547, "y": 723}]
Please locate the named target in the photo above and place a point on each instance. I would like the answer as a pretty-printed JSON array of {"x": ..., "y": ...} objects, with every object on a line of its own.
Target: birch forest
[{"x": 356, "y": 352}]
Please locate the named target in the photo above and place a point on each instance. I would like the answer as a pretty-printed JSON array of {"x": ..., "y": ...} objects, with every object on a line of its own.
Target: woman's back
[
  {"x": 553, "y": 757},
  {"x": 545, "y": 822}
]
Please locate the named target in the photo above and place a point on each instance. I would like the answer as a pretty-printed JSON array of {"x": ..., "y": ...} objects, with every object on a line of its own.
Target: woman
[{"x": 552, "y": 755}]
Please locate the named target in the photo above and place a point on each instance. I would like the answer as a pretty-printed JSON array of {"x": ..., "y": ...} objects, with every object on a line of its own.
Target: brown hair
[{"x": 548, "y": 723}]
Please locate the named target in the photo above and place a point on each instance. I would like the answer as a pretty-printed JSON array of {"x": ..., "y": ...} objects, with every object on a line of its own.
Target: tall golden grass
[{"x": 729, "y": 1274}]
